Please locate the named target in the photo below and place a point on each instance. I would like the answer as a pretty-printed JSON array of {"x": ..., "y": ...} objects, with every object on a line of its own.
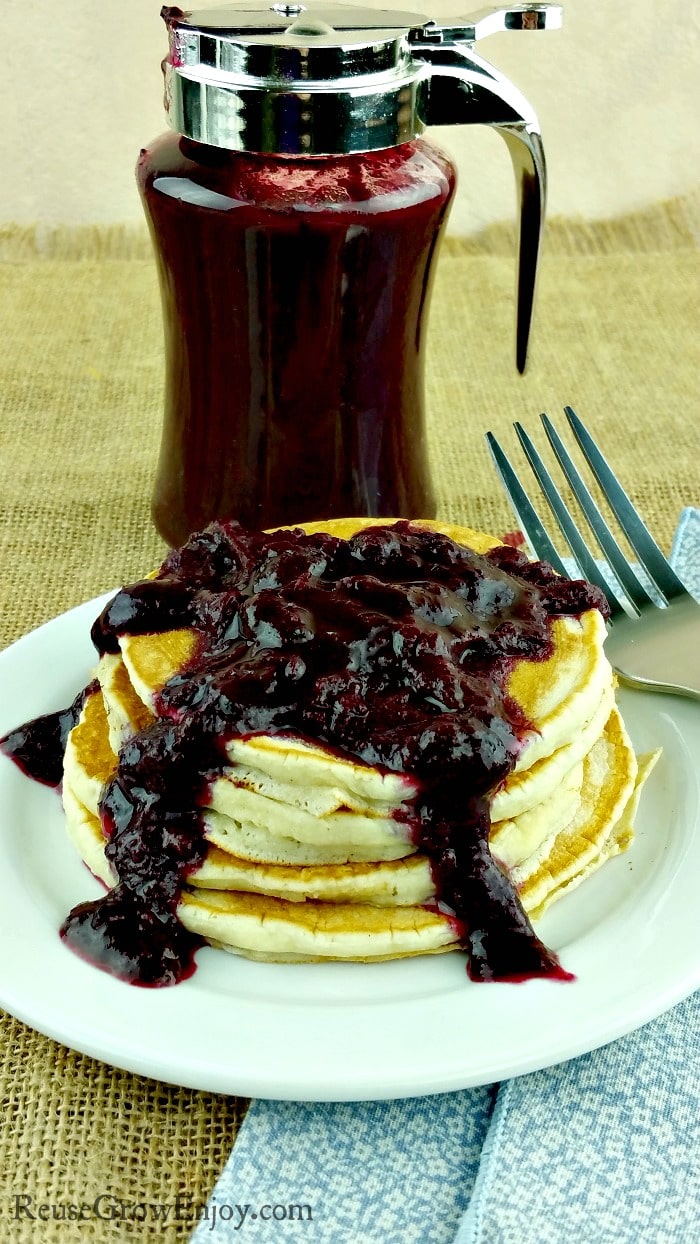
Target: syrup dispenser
[{"x": 296, "y": 210}]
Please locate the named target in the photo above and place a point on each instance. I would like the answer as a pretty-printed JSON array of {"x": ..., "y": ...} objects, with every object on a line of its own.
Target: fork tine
[
  {"x": 639, "y": 536},
  {"x": 527, "y": 516},
  {"x": 582, "y": 556},
  {"x": 634, "y": 590}
]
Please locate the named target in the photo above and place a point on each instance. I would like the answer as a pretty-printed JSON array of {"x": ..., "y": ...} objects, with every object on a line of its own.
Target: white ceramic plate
[{"x": 631, "y": 935}]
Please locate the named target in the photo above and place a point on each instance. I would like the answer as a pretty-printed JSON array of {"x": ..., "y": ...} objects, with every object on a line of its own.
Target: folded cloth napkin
[{"x": 603, "y": 1148}]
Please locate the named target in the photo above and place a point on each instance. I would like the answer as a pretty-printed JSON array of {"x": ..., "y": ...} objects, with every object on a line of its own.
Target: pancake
[
  {"x": 350, "y": 912},
  {"x": 294, "y": 775},
  {"x": 312, "y": 853},
  {"x": 560, "y": 694},
  {"x": 591, "y": 814},
  {"x": 602, "y": 827},
  {"x": 90, "y": 762},
  {"x": 570, "y": 700},
  {"x": 259, "y": 925}
]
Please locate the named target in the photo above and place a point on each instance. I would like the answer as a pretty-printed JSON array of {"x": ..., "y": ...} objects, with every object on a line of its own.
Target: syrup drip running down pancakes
[{"x": 364, "y": 742}]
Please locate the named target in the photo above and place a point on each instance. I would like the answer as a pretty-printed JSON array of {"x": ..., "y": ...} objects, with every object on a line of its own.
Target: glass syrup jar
[{"x": 296, "y": 210}]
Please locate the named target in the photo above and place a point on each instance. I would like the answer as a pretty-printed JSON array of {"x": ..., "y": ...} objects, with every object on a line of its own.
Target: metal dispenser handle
[{"x": 466, "y": 90}]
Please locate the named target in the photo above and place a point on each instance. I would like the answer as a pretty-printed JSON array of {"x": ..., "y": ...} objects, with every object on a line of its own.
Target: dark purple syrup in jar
[
  {"x": 395, "y": 647},
  {"x": 295, "y": 294}
]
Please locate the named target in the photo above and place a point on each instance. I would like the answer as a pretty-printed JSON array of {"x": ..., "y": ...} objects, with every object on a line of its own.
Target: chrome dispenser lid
[
  {"x": 330, "y": 79},
  {"x": 313, "y": 78}
]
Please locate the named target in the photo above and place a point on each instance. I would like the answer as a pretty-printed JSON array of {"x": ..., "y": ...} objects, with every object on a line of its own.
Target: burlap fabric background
[{"x": 80, "y": 394}]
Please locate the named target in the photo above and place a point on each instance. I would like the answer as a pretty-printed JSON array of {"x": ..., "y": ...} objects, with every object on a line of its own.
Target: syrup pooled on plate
[
  {"x": 37, "y": 747},
  {"x": 393, "y": 647}
]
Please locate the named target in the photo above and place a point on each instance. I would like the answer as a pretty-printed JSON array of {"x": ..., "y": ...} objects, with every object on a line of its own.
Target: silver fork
[{"x": 651, "y": 643}]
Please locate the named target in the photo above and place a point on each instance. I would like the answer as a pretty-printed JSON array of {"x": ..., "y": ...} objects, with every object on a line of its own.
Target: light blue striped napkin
[{"x": 604, "y": 1149}]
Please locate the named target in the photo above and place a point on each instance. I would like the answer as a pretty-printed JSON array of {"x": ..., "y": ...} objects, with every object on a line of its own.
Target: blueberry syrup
[
  {"x": 37, "y": 747},
  {"x": 295, "y": 293},
  {"x": 395, "y": 647}
]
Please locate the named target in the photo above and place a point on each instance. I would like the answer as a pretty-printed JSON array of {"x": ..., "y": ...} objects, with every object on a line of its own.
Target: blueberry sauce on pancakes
[
  {"x": 37, "y": 747},
  {"x": 395, "y": 647}
]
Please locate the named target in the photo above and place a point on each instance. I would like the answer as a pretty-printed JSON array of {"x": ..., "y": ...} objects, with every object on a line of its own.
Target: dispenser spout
[{"x": 493, "y": 21}]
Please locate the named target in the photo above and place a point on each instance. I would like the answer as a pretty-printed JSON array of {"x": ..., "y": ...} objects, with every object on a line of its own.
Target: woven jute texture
[{"x": 80, "y": 395}]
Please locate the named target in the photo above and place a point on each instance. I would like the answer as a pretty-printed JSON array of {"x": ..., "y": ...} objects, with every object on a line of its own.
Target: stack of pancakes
[{"x": 310, "y": 852}]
